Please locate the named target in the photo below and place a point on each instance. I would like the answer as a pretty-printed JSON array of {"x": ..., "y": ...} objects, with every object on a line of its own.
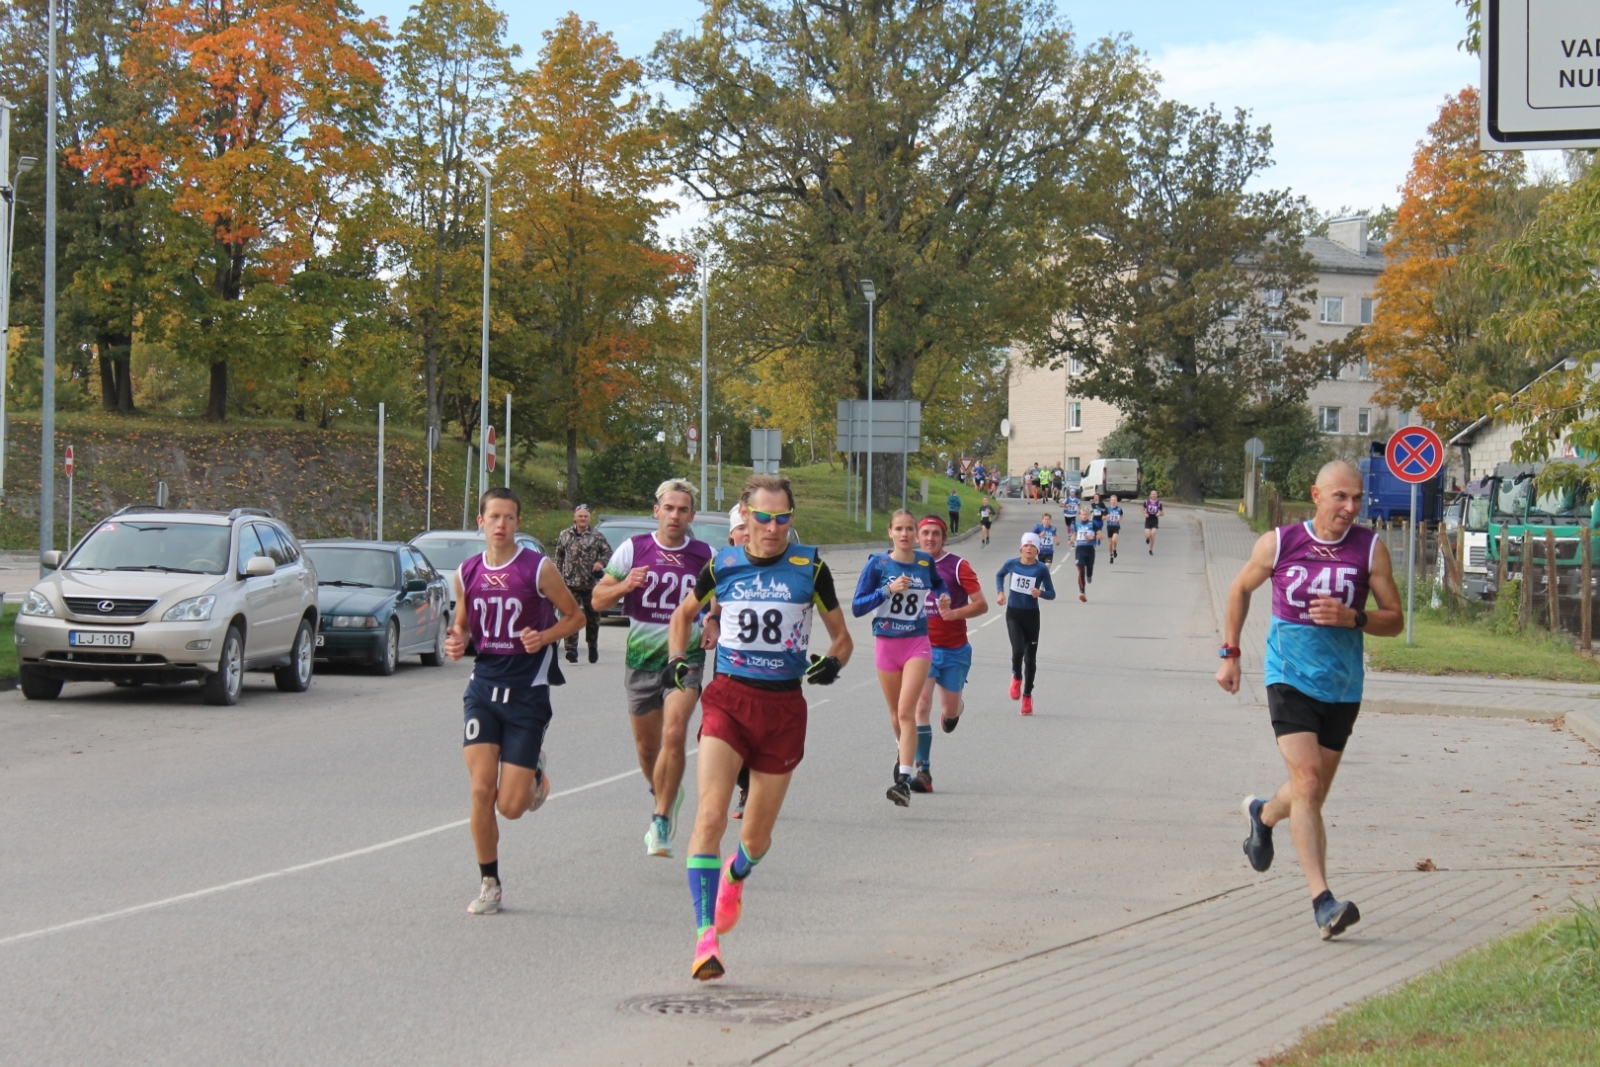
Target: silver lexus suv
[{"x": 171, "y": 596}]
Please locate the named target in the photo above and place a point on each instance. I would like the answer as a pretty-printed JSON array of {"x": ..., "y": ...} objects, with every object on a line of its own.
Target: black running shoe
[
  {"x": 922, "y": 781},
  {"x": 1258, "y": 846},
  {"x": 572, "y": 655},
  {"x": 1337, "y": 916},
  {"x": 900, "y": 792},
  {"x": 738, "y": 810},
  {"x": 949, "y": 725}
]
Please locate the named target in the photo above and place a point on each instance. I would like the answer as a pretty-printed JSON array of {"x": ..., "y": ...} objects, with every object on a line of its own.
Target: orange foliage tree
[
  {"x": 262, "y": 125},
  {"x": 592, "y": 280},
  {"x": 1426, "y": 345}
]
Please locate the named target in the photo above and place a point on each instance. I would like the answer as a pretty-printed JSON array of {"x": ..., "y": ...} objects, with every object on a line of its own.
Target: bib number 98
[{"x": 768, "y": 626}]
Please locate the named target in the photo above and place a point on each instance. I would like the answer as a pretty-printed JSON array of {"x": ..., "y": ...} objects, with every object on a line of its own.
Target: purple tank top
[
  {"x": 672, "y": 576},
  {"x": 1307, "y": 568},
  {"x": 949, "y": 566},
  {"x": 502, "y": 601}
]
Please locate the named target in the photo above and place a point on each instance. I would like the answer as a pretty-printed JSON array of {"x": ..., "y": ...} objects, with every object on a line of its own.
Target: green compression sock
[
  {"x": 924, "y": 744},
  {"x": 743, "y": 864},
  {"x": 704, "y": 872}
]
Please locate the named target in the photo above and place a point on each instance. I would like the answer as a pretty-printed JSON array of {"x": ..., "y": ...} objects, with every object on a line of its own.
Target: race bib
[
  {"x": 765, "y": 626},
  {"x": 1022, "y": 583},
  {"x": 904, "y": 606}
]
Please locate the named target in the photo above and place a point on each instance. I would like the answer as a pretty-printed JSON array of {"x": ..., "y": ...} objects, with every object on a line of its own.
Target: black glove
[
  {"x": 678, "y": 668},
  {"x": 824, "y": 670}
]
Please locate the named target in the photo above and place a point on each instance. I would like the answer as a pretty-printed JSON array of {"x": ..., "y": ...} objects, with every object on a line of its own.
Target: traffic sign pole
[
  {"x": 70, "y": 466},
  {"x": 1411, "y": 567},
  {"x": 1415, "y": 454}
]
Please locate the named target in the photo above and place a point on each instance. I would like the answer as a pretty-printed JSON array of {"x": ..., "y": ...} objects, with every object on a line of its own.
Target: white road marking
[
  {"x": 992, "y": 621},
  {"x": 197, "y": 894}
]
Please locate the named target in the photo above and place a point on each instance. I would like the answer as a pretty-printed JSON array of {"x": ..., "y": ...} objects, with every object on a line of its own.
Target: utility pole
[
  {"x": 47, "y": 428},
  {"x": 507, "y": 443},
  {"x": 705, "y": 315},
  {"x": 870, "y": 291},
  {"x": 483, "y": 384},
  {"x": 8, "y": 233}
]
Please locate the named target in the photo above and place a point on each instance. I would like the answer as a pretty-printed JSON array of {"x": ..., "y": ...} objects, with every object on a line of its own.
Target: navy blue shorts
[{"x": 513, "y": 717}]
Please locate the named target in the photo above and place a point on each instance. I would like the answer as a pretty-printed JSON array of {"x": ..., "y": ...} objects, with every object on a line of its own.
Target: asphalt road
[{"x": 311, "y": 862}]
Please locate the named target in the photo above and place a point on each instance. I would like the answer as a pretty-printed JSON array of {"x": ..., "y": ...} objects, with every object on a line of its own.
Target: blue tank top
[
  {"x": 897, "y": 614},
  {"x": 766, "y": 613}
]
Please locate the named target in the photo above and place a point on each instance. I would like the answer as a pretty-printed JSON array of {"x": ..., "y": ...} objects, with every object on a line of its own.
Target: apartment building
[{"x": 1051, "y": 424}]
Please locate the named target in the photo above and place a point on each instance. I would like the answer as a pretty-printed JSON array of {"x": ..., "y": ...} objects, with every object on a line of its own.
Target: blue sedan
[{"x": 378, "y": 601}]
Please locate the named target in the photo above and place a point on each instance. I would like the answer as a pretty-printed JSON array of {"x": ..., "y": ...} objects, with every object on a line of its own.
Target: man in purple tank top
[
  {"x": 506, "y": 601},
  {"x": 651, "y": 574},
  {"x": 1322, "y": 572}
]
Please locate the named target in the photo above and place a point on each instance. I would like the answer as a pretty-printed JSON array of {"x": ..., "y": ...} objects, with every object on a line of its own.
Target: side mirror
[
  {"x": 416, "y": 585},
  {"x": 260, "y": 567},
  {"x": 50, "y": 560}
]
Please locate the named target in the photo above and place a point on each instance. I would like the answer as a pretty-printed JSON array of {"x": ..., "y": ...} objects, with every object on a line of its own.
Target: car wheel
[
  {"x": 222, "y": 688},
  {"x": 391, "y": 650},
  {"x": 296, "y": 677},
  {"x": 38, "y": 686},
  {"x": 436, "y": 657}
]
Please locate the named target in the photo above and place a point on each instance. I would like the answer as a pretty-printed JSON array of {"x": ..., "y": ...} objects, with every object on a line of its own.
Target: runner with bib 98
[
  {"x": 893, "y": 587},
  {"x": 1321, "y": 572},
  {"x": 753, "y": 713}
]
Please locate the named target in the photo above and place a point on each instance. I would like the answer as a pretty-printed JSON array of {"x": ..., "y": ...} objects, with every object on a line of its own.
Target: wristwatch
[
  {"x": 1361, "y": 619},
  {"x": 1228, "y": 652}
]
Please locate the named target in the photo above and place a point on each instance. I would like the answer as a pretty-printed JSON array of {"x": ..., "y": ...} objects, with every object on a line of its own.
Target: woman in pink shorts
[{"x": 894, "y": 589}]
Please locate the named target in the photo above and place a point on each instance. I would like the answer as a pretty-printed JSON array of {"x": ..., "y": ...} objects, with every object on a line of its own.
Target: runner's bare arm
[
  {"x": 555, "y": 590},
  {"x": 842, "y": 644},
  {"x": 681, "y": 627},
  {"x": 1256, "y": 571},
  {"x": 455, "y": 643}
]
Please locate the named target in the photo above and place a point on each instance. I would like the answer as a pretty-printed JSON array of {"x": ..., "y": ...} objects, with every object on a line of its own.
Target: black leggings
[
  {"x": 1085, "y": 564},
  {"x": 1023, "y": 627}
]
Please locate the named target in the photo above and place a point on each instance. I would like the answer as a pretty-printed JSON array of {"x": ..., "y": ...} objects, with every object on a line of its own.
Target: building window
[
  {"x": 1363, "y": 420},
  {"x": 1074, "y": 416},
  {"x": 1367, "y": 304},
  {"x": 1074, "y": 367},
  {"x": 1074, "y": 463},
  {"x": 1230, "y": 310},
  {"x": 1365, "y": 370},
  {"x": 1272, "y": 297},
  {"x": 1328, "y": 419},
  {"x": 1333, "y": 309}
]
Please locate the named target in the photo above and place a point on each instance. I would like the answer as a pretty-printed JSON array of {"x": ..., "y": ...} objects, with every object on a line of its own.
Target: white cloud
[{"x": 1346, "y": 108}]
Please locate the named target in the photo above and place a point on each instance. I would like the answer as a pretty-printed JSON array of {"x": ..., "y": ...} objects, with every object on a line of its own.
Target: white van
[{"x": 1107, "y": 476}]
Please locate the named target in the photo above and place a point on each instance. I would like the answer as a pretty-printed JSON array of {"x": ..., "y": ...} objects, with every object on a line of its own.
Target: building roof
[
  {"x": 1337, "y": 259},
  {"x": 1468, "y": 435}
]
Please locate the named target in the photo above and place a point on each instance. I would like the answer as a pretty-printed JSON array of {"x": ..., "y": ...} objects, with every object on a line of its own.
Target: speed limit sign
[{"x": 694, "y": 433}]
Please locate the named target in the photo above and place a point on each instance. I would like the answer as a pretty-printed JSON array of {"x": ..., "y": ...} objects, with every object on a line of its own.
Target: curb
[
  {"x": 1477, "y": 711},
  {"x": 1585, "y": 726}
]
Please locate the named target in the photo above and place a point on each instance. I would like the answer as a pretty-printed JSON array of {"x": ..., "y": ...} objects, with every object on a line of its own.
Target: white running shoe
[
  {"x": 656, "y": 843},
  {"x": 488, "y": 901},
  {"x": 541, "y": 785}
]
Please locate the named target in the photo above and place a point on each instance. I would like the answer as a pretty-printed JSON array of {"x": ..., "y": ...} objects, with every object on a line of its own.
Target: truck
[
  {"x": 1466, "y": 523},
  {"x": 1525, "y": 513},
  {"x": 1389, "y": 499},
  {"x": 1107, "y": 476}
]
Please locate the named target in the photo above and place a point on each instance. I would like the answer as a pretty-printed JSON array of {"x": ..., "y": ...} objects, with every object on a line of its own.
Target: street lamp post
[
  {"x": 8, "y": 233},
  {"x": 47, "y": 420},
  {"x": 483, "y": 382},
  {"x": 705, "y": 314},
  {"x": 869, "y": 291}
]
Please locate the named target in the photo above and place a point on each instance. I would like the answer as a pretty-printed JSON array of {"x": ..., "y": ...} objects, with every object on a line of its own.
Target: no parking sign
[{"x": 1415, "y": 454}]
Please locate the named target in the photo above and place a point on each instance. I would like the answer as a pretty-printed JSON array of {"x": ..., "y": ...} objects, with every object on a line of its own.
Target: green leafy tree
[
  {"x": 937, "y": 149},
  {"x": 1183, "y": 302}
]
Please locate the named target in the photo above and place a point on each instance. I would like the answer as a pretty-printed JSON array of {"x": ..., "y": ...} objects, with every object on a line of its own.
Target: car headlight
[
  {"x": 35, "y": 603},
  {"x": 195, "y": 609},
  {"x": 352, "y": 622}
]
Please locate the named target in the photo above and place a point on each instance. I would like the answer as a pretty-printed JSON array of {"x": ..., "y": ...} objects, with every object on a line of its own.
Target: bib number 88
[
  {"x": 768, "y": 626},
  {"x": 907, "y": 604}
]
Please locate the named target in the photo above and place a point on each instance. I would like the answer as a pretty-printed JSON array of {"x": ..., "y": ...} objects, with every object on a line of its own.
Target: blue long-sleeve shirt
[
  {"x": 897, "y": 614},
  {"x": 1017, "y": 580}
]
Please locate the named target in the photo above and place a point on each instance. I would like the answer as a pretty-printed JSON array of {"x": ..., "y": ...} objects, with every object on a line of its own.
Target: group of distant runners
[{"x": 750, "y": 604}]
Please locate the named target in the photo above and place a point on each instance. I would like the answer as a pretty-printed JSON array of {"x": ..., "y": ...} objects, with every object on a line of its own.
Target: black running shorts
[
  {"x": 513, "y": 717},
  {"x": 1151, "y": 522},
  {"x": 1113, "y": 528},
  {"x": 1295, "y": 713}
]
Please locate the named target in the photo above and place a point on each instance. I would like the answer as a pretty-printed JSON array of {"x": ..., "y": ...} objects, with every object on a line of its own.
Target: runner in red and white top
[{"x": 947, "y": 633}]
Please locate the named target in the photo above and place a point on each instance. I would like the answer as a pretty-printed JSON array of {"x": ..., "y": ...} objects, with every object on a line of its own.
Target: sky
[{"x": 1347, "y": 88}]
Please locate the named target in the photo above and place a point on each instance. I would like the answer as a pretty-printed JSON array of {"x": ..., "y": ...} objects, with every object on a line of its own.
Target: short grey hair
[{"x": 674, "y": 485}]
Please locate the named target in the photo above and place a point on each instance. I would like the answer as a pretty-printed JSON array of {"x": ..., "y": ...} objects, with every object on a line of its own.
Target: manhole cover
[{"x": 736, "y": 1007}]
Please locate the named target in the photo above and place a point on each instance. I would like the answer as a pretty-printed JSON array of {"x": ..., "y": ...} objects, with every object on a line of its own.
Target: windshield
[
  {"x": 1547, "y": 507},
  {"x": 448, "y": 552},
  {"x": 354, "y": 566},
  {"x": 1509, "y": 499},
  {"x": 1477, "y": 513},
  {"x": 183, "y": 547}
]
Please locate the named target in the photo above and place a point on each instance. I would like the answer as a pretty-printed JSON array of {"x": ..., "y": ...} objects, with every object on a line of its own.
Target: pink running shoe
[
  {"x": 1016, "y": 688},
  {"x": 707, "y": 957},
  {"x": 1027, "y": 705},
  {"x": 730, "y": 899}
]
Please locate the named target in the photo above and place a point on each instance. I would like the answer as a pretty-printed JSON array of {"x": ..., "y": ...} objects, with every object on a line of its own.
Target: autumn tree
[
  {"x": 262, "y": 122},
  {"x": 929, "y": 147},
  {"x": 451, "y": 77},
  {"x": 1426, "y": 344},
  {"x": 1181, "y": 305},
  {"x": 587, "y": 278}
]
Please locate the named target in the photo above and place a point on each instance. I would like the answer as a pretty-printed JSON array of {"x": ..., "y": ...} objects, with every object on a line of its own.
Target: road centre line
[{"x": 183, "y": 898}]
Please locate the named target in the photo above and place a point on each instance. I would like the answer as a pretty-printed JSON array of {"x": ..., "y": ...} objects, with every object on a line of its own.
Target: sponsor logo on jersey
[
  {"x": 922, "y": 563},
  {"x": 1325, "y": 551},
  {"x": 671, "y": 559},
  {"x": 760, "y": 588},
  {"x": 494, "y": 581},
  {"x": 799, "y": 561}
]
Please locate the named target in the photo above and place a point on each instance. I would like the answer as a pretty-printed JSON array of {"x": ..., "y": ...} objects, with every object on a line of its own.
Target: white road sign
[{"x": 1541, "y": 74}]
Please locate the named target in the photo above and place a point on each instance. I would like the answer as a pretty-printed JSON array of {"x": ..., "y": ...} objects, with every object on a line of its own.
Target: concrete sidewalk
[{"x": 1227, "y": 545}]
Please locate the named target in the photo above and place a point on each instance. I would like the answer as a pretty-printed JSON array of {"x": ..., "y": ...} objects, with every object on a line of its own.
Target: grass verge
[
  {"x": 1485, "y": 643},
  {"x": 1532, "y": 998},
  {"x": 8, "y": 642}
]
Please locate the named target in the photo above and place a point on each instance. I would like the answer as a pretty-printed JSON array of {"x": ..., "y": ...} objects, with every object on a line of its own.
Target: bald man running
[{"x": 1321, "y": 573}]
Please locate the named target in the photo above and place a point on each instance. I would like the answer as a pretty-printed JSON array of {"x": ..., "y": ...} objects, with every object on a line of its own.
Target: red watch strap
[{"x": 1231, "y": 651}]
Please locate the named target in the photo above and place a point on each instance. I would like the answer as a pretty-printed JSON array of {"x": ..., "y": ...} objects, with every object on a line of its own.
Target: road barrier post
[{"x": 1586, "y": 595}]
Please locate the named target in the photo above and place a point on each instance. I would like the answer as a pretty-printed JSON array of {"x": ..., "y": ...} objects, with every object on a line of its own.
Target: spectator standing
[
  {"x": 581, "y": 555},
  {"x": 953, "y": 503}
]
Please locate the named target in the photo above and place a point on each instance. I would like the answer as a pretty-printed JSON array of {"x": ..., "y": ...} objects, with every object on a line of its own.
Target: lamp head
[
  {"x": 869, "y": 290},
  {"x": 26, "y": 163},
  {"x": 483, "y": 169}
]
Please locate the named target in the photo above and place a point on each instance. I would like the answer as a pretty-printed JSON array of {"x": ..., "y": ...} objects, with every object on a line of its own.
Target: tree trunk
[
  {"x": 108, "y": 377},
  {"x": 217, "y": 400},
  {"x": 572, "y": 466},
  {"x": 116, "y": 381},
  {"x": 123, "y": 369}
]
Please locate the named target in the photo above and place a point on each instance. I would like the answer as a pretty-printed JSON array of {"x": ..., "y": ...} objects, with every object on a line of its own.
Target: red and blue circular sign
[{"x": 1415, "y": 454}]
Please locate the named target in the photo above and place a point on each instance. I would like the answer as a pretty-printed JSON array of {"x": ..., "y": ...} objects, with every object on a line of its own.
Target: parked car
[
  {"x": 1010, "y": 486},
  {"x": 447, "y": 550},
  {"x": 378, "y": 601},
  {"x": 156, "y": 596}
]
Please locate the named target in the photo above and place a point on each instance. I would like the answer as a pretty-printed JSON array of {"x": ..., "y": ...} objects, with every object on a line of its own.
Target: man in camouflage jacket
[{"x": 581, "y": 555}]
